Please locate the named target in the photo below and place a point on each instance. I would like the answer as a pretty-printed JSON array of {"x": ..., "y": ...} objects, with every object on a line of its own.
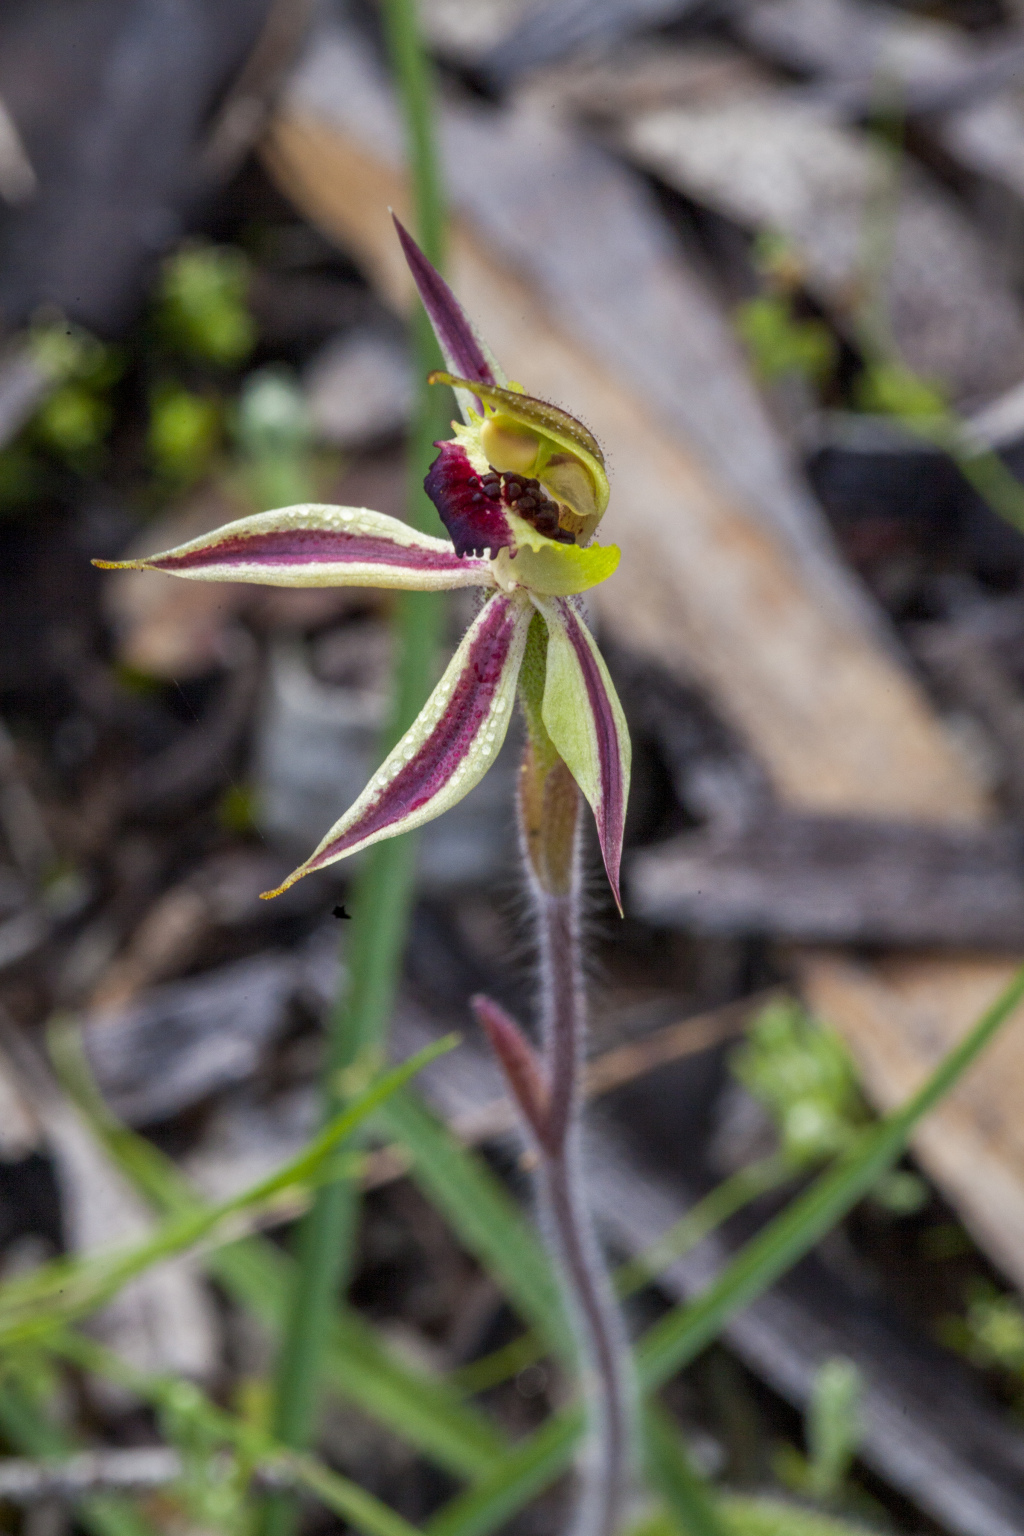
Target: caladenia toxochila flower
[{"x": 521, "y": 489}]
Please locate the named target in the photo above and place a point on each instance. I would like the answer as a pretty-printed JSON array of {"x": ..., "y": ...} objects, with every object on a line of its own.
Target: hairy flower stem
[
  {"x": 548, "y": 1088},
  {"x": 603, "y": 1348}
]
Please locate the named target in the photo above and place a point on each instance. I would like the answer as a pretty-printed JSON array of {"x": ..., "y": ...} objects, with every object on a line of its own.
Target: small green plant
[
  {"x": 781, "y": 342},
  {"x": 202, "y": 307},
  {"x": 184, "y": 434},
  {"x": 801, "y": 1072},
  {"x": 889, "y": 388},
  {"x": 833, "y": 1433},
  {"x": 74, "y": 419},
  {"x": 71, "y": 425},
  {"x": 803, "y": 1075},
  {"x": 991, "y": 1331}
]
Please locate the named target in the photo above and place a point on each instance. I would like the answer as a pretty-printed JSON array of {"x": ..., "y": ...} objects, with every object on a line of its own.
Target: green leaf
[
  {"x": 68, "y": 1288},
  {"x": 685, "y": 1331},
  {"x": 25, "y": 1426},
  {"x": 346, "y": 1498},
  {"x": 201, "y": 308},
  {"x": 193, "y": 1417},
  {"x": 774, "y": 1517},
  {"x": 527, "y": 1470},
  {"x": 422, "y": 1409},
  {"x": 258, "y": 1275},
  {"x": 684, "y": 1490},
  {"x": 834, "y": 1428}
]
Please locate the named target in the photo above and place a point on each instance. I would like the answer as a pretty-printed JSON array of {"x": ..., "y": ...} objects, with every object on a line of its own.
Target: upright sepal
[
  {"x": 583, "y": 717},
  {"x": 464, "y": 349},
  {"x": 318, "y": 546},
  {"x": 450, "y": 746}
]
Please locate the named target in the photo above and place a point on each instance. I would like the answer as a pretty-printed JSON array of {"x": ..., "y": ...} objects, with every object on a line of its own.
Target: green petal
[
  {"x": 551, "y": 569},
  {"x": 583, "y": 717}
]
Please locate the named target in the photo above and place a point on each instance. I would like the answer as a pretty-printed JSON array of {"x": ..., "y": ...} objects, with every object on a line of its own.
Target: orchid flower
[{"x": 521, "y": 489}]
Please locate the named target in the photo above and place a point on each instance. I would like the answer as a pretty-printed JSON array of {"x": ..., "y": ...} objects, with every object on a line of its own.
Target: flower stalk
[{"x": 548, "y": 1089}]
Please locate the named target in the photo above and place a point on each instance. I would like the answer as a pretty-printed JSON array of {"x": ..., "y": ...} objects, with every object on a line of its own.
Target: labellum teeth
[{"x": 468, "y": 504}]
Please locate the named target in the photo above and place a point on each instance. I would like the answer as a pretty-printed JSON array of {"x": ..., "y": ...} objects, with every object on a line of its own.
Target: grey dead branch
[
  {"x": 785, "y": 165},
  {"x": 835, "y": 880}
]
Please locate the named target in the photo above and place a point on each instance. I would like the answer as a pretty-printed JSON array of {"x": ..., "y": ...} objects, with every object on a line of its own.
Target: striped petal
[
  {"x": 318, "y": 546},
  {"x": 583, "y": 717},
  {"x": 449, "y": 747},
  {"x": 464, "y": 350}
]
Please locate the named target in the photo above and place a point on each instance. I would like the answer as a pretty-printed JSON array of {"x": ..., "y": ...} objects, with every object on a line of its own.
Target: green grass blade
[
  {"x": 67, "y": 1288},
  {"x": 527, "y": 1470},
  {"x": 776, "y": 1517},
  {"x": 257, "y": 1274},
  {"x": 537, "y": 1461},
  {"x": 758, "y": 1517},
  {"x": 346, "y": 1498},
  {"x": 101, "y": 1514},
  {"x": 723, "y": 1201},
  {"x": 219, "y": 1429},
  {"x": 685, "y": 1492},
  {"x": 422, "y": 1409},
  {"x": 383, "y": 892},
  {"x": 685, "y": 1331},
  {"x": 484, "y": 1216}
]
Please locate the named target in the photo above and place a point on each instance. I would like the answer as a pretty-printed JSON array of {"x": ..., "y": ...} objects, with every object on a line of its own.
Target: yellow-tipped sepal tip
[{"x": 120, "y": 565}]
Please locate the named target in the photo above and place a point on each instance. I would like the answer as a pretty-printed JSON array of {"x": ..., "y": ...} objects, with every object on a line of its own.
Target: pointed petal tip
[
  {"x": 613, "y": 881},
  {"x": 119, "y": 565},
  {"x": 448, "y": 748},
  {"x": 462, "y": 348}
]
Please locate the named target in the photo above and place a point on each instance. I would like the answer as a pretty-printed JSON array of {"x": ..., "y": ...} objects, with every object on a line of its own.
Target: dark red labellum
[{"x": 469, "y": 507}]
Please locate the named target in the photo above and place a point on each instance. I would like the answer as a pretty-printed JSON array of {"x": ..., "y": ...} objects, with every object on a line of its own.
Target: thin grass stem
[{"x": 382, "y": 896}]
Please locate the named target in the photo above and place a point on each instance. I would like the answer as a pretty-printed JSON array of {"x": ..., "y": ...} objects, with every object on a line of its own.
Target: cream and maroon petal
[
  {"x": 318, "y": 546},
  {"x": 464, "y": 350},
  {"x": 584, "y": 719},
  {"x": 451, "y": 745},
  {"x": 473, "y": 516}
]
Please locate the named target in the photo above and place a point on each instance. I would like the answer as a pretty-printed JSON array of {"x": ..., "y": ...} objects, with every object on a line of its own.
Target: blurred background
[{"x": 772, "y": 253}]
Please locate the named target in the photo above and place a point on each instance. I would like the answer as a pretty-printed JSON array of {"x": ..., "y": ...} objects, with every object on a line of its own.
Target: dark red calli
[{"x": 469, "y": 506}]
